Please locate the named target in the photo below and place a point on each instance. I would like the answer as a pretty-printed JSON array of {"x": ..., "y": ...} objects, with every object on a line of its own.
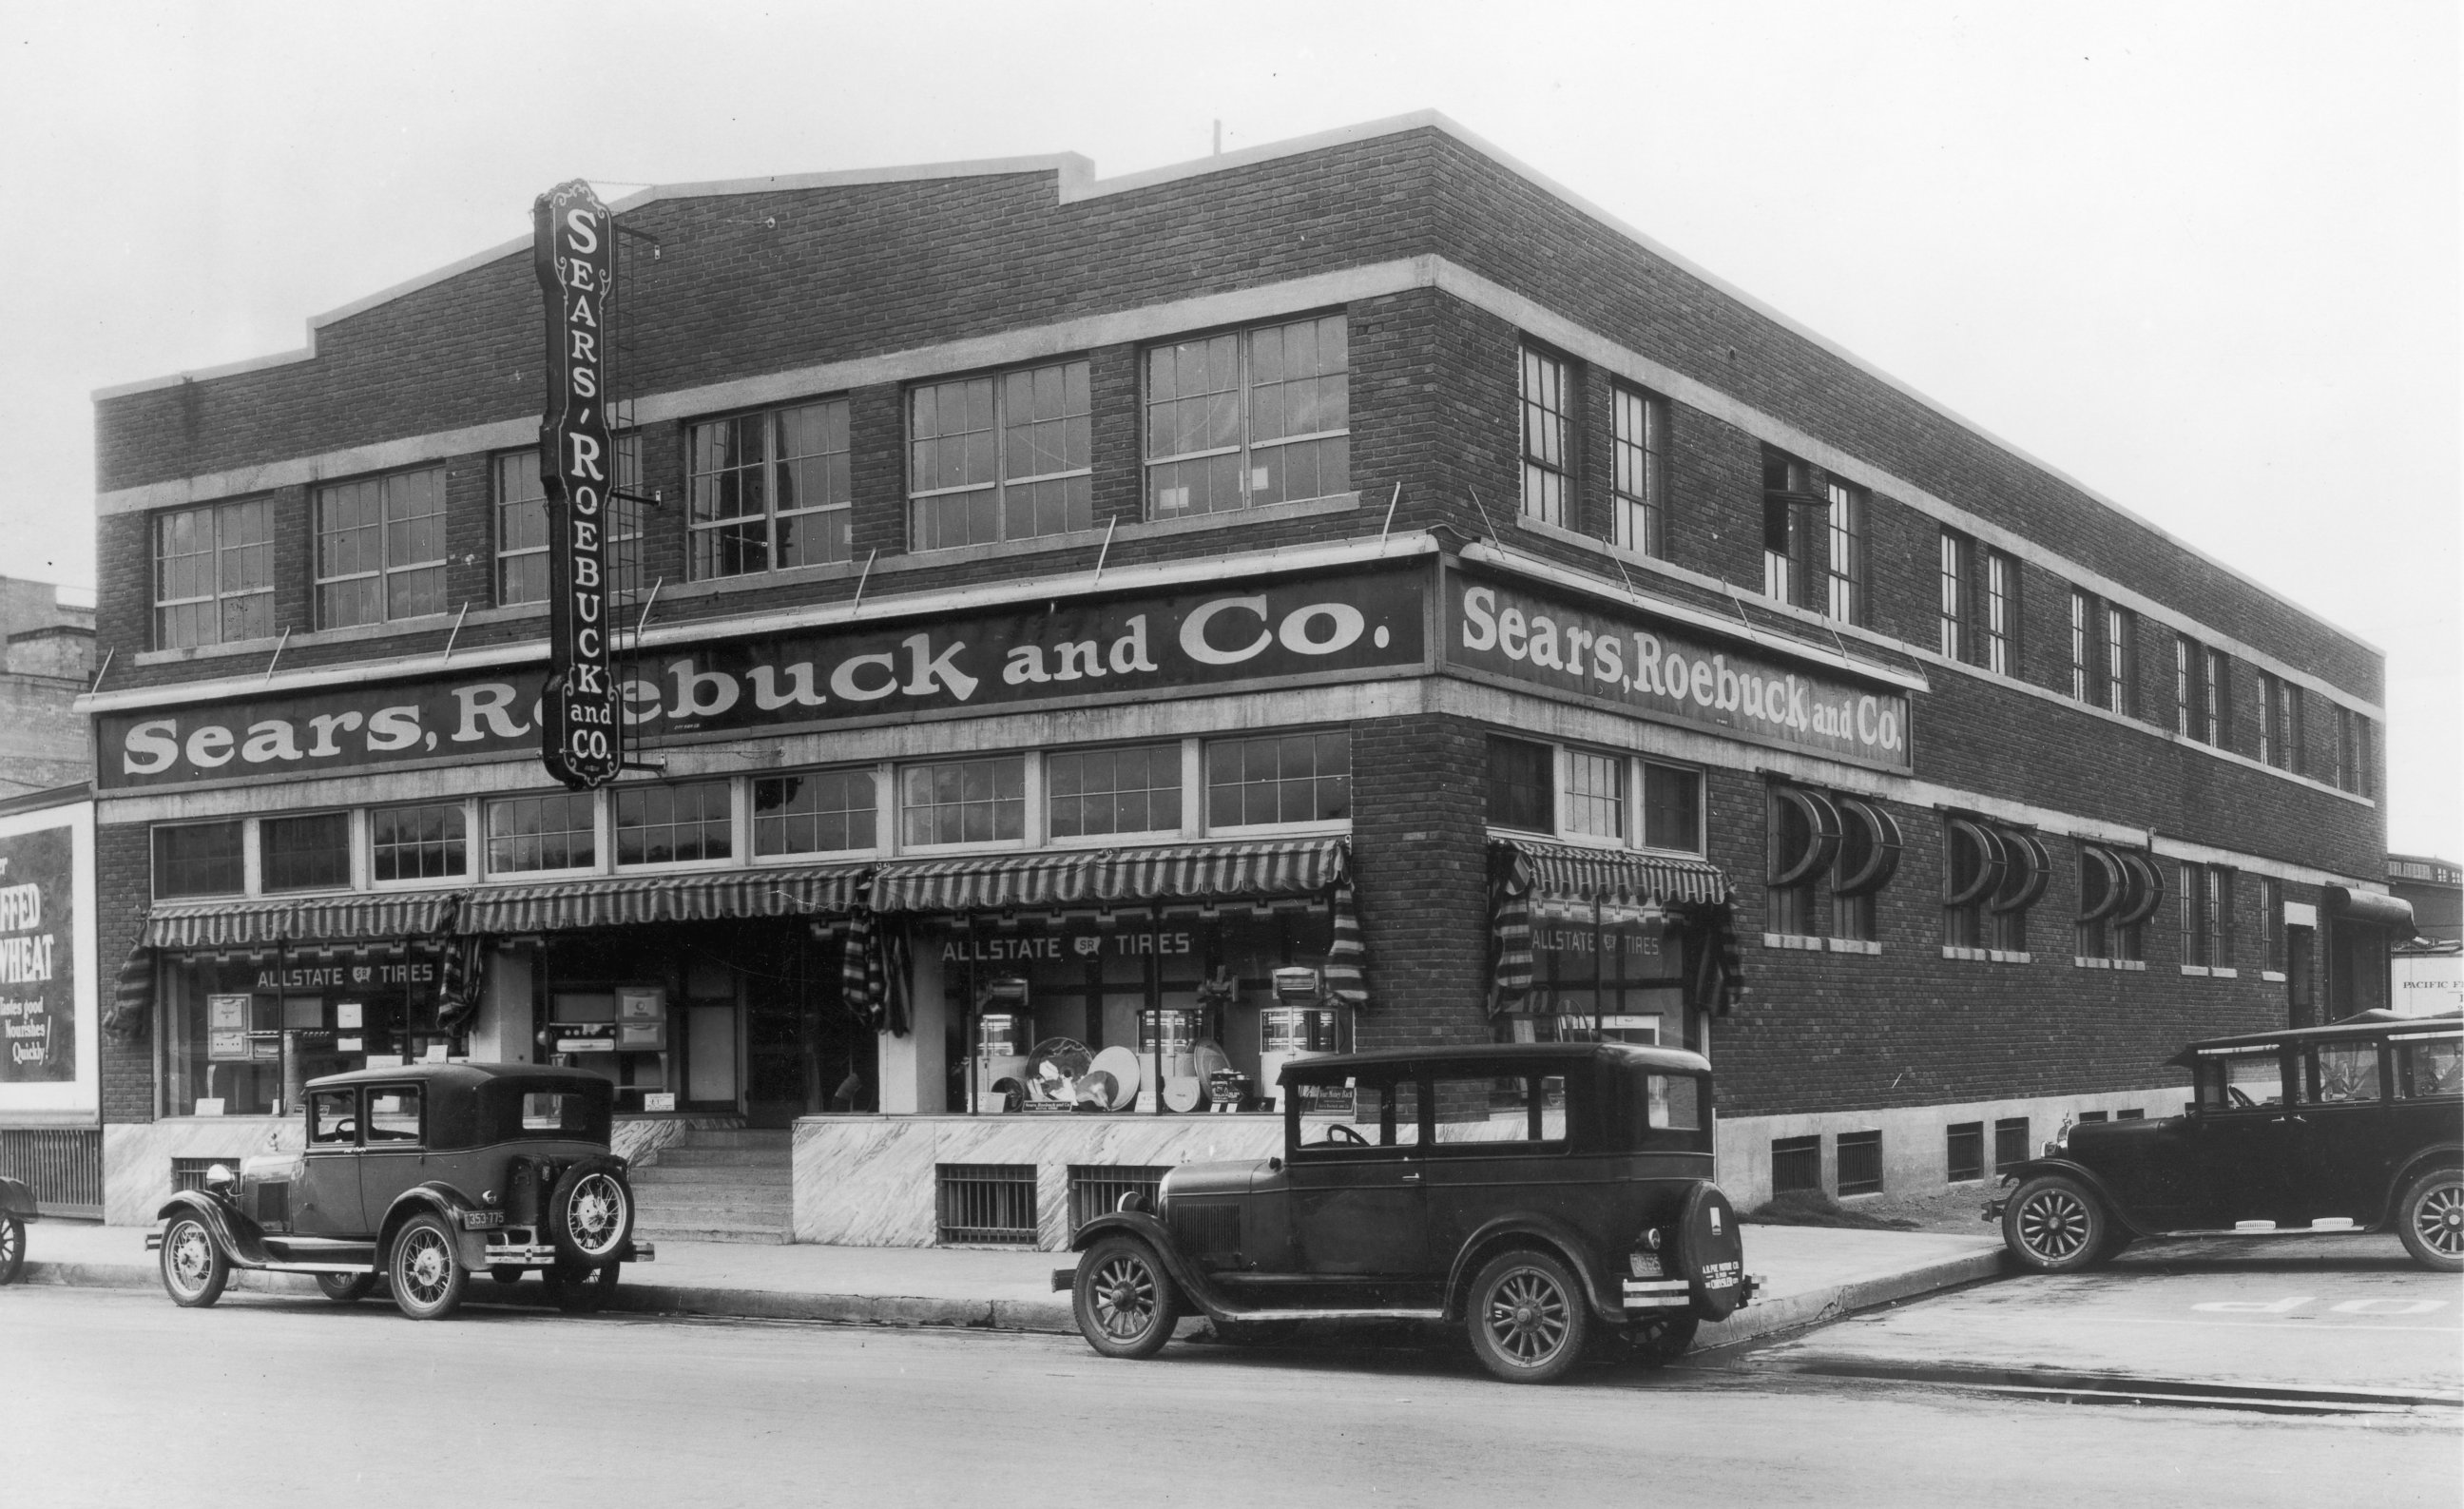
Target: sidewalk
[{"x": 1812, "y": 1274}]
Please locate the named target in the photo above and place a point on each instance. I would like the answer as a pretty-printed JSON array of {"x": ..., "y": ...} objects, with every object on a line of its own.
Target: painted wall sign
[
  {"x": 1553, "y": 644},
  {"x": 574, "y": 254},
  {"x": 48, "y": 1015},
  {"x": 1289, "y": 630}
]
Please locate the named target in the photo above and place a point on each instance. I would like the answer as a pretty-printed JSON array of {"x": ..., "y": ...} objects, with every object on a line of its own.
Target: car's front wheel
[
  {"x": 1528, "y": 1318},
  {"x": 427, "y": 1282},
  {"x": 1124, "y": 1302},
  {"x": 2429, "y": 1217},
  {"x": 194, "y": 1267},
  {"x": 2054, "y": 1224},
  {"x": 346, "y": 1288},
  {"x": 12, "y": 1248}
]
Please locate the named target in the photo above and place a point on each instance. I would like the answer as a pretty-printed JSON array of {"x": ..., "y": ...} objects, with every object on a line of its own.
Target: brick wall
[
  {"x": 1418, "y": 786},
  {"x": 124, "y": 883}
]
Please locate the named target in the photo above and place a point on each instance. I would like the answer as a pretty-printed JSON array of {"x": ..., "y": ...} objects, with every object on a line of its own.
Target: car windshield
[{"x": 2240, "y": 1081}]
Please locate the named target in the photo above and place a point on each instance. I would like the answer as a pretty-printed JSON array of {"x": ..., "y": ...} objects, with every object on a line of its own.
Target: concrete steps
[{"x": 713, "y": 1186}]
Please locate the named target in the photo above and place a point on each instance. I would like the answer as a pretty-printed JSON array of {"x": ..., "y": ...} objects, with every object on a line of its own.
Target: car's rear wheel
[
  {"x": 1528, "y": 1319},
  {"x": 427, "y": 1284},
  {"x": 346, "y": 1288},
  {"x": 2429, "y": 1217},
  {"x": 590, "y": 1213},
  {"x": 194, "y": 1268},
  {"x": 12, "y": 1248},
  {"x": 2054, "y": 1224},
  {"x": 1124, "y": 1302}
]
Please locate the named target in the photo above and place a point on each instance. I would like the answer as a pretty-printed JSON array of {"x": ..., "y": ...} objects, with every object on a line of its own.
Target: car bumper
[
  {"x": 542, "y": 1255},
  {"x": 1646, "y": 1295}
]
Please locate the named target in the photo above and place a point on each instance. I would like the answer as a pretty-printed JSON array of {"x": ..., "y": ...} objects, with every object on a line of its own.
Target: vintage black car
[
  {"x": 421, "y": 1176},
  {"x": 1531, "y": 1192},
  {"x": 16, "y": 1209},
  {"x": 2355, "y": 1126}
]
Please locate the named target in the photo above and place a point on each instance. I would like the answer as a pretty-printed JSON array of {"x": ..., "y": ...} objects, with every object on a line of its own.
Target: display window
[
  {"x": 1615, "y": 978},
  {"x": 243, "y": 1033}
]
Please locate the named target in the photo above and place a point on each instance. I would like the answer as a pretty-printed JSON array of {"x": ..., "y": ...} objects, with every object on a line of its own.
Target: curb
[{"x": 1817, "y": 1306}]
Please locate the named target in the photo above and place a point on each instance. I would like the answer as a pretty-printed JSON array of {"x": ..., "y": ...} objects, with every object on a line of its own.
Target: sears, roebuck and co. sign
[
  {"x": 1228, "y": 635},
  {"x": 574, "y": 253},
  {"x": 1548, "y": 642}
]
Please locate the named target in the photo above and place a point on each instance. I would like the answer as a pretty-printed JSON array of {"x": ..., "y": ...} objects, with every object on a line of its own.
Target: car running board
[{"x": 1227, "y": 1312}]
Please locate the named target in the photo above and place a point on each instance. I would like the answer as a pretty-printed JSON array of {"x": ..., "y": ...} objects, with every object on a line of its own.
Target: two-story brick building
[{"x": 1134, "y": 610}]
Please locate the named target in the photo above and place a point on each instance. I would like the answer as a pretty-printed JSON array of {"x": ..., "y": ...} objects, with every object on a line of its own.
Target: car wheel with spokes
[
  {"x": 1528, "y": 1318},
  {"x": 346, "y": 1288},
  {"x": 2054, "y": 1224},
  {"x": 590, "y": 1214},
  {"x": 426, "y": 1280},
  {"x": 1124, "y": 1302},
  {"x": 194, "y": 1267},
  {"x": 2429, "y": 1217},
  {"x": 12, "y": 1248}
]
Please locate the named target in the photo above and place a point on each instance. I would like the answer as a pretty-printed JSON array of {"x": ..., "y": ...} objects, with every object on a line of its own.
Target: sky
[{"x": 2201, "y": 258}]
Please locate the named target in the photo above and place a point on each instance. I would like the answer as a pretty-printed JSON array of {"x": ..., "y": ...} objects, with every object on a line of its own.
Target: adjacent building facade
[{"x": 1348, "y": 593}]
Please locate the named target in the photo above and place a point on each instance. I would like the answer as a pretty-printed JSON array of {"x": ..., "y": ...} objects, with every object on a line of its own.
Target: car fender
[
  {"x": 1529, "y": 1231},
  {"x": 241, "y": 1239},
  {"x": 2020, "y": 1174},
  {"x": 1186, "y": 1277},
  {"x": 2437, "y": 1155},
  {"x": 17, "y": 1200},
  {"x": 470, "y": 1248}
]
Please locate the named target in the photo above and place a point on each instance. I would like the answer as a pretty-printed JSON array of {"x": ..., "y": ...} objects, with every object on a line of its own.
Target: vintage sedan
[
  {"x": 421, "y": 1176},
  {"x": 1538, "y": 1195},
  {"x": 2354, "y": 1127}
]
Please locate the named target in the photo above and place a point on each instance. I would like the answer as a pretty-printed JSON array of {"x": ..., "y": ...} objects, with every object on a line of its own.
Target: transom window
[
  {"x": 1113, "y": 791},
  {"x": 1248, "y": 418},
  {"x": 769, "y": 490},
  {"x": 1640, "y": 484},
  {"x": 200, "y": 859},
  {"x": 213, "y": 574},
  {"x": 672, "y": 824},
  {"x": 542, "y": 832},
  {"x": 381, "y": 548},
  {"x": 816, "y": 811},
  {"x": 963, "y": 801},
  {"x": 305, "y": 854},
  {"x": 1547, "y": 438},
  {"x": 1594, "y": 795},
  {"x": 427, "y": 842},
  {"x": 1281, "y": 778},
  {"x": 1006, "y": 457},
  {"x": 522, "y": 524}
]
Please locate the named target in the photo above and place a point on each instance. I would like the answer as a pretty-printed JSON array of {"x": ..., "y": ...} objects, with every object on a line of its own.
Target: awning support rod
[
  {"x": 1110, "y": 525},
  {"x": 277, "y": 653},
  {"x": 1390, "y": 514},
  {"x": 862, "y": 579},
  {"x": 456, "y": 632}
]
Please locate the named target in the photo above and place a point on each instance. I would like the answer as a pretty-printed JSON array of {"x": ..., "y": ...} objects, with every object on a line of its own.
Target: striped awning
[
  {"x": 566, "y": 905},
  {"x": 1199, "y": 873},
  {"x": 1563, "y": 874},
  {"x": 188, "y": 925}
]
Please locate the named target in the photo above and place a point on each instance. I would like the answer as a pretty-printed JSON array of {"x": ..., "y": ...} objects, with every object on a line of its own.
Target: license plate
[{"x": 1722, "y": 1275}]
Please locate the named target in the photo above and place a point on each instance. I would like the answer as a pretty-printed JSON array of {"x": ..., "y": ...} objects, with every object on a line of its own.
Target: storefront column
[
  {"x": 502, "y": 1032},
  {"x": 915, "y": 1079}
]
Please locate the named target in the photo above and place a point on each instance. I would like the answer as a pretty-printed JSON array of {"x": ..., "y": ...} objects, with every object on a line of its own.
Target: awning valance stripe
[
  {"x": 322, "y": 919},
  {"x": 567, "y": 905},
  {"x": 1562, "y": 873},
  {"x": 1113, "y": 876}
]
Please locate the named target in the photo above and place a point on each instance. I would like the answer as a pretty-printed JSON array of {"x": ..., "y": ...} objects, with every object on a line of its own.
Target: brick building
[
  {"x": 1079, "y": 599},
  {"x": 49, "y": 658}
]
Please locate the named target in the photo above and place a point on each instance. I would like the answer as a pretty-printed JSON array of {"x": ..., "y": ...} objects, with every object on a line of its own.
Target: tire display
[
  {"x": 194, "y": 1269},
  {"x": 1124, "y": 1302},
  {"x": 2054, "y": 1224},
  {"x": 346, "y": 1288},
  {"x": 427, "y": 1283},
  {"x": 1528, "y": 1319},
  {"x": 2429, "y": 1217},
  {"x": 590, "y": 1214}
]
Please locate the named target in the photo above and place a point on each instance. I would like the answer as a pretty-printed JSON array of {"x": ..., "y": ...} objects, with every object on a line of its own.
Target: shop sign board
[
  {"x": 1548, "y": 642},
  {"x": 48, "y": 1003},
  {"x": 2427, "y": 983},
  {"x": 1236, "y": 634},
  {"x": 574, "y": 254}
]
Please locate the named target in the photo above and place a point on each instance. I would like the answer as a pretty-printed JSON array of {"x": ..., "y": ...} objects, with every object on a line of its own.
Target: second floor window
[
  {"x": 381, "y": 548},
  {"x": 2214, "y": 709},
  {"x": 528, "y": 833},
  {"x": 963, "y": 801},
  {"x": 1278, "y": 778},
  {"x": 2185, "y": 694},
  {"x": 425, "y": 842},
  {"x": 1006, "y": 457},
  {"x": 1641, "y": 522},
  {"x": 200, "y": 859},
  {"x": 672, "y": 824},
  {"x": 2001, "y": 613},
  {"x": 213, "y": 574},
  {"x": 2122, "y": 660},
  {"x": 769, "y": 490},
  {"x": 1596, "y": 794},
  {"x": 521, "y": 526},
  {"x": 1953, "y": 604},
  {"x": 2280, "y": 727},
  {"x": 1093, "y": 792},
  {"x": 1846, "y": 536},
  {"x": 1790, "y": 519},
  {"x": 1522, "y": 785},
  {"x": 820, "y": 811},
  {"x": 2083, "y": 645},
  {"x": 1548, "y": 439},
  {"x": 1248, "y": 418}
]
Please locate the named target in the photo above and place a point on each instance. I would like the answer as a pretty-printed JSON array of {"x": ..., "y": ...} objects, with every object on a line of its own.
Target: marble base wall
[
  {"x": 868, "y": 1181},
  {"x": 137, "y": 1156}
]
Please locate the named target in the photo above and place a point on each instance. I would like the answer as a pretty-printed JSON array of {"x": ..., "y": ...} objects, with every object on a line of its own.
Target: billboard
[{"x": 49, "y": 1008}]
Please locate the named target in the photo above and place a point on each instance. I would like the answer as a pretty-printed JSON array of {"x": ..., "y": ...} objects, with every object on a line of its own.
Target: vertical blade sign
[{"x": 573, "y": 246}]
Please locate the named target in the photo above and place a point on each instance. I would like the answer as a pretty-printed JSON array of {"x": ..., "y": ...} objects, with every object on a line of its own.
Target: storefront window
[
  {"x": 963, "y": 801},
  {"x": 672, "y": 824},
  {"x": 428, "y": 842},
  {"x": 306, "y": 853},
  {"x": 818, "y": 811},
  {"x": 243, "y": 1036},
  {"x": 1288, "y": 778},
  {"x": 1113, "y": 791},
  {"x": 542, "y": 832},
  {"x": 200, "y": 859}
]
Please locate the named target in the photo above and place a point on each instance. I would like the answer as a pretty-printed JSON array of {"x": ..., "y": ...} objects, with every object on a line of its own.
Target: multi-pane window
[
  {"x": 1522, "y": 785},
  {"x": 2185, "y": 693},
  {"x": 815, "y": 811},
  {"x": 1278, "y": 778},
  {"x": 2213, "y": 705},
  {"x": 2280, "y": 723},
  {"x": 1547, "y": 438},
  {"x": 2117, "y": 892},
  {"x": 2206, "y": 916},
  {"x": 213, "y": 574},
  {"x": 1953, "y": 604},
  {"x": 770, "y": 490},
  {"x": 672, "y": 824},
  {"x": 1594, "y": 795},
  {"x": 2348, "y": 757},
  {"x": 200, "y": 859},
  {"x": 1006, "y": 457},
  {"x": 1789, "y": 505},
  {"x": 2083, "y": 649},
  {"x": 542, "y": 832},
  {"x": 2271, "y": 924},
  {"x": 2002, "y": 613},
  {"x": 1248, "y": 418},
  {"x": 305, "y": 854},
  {"x": 1096, "y": 791},
  {"x": 522, "y": 524},
  {"x": 427, "y": 842},
  {"x": 963, "y": 800},
  {"x": 2122, "y": 660},
  {"x": 1639, "y": 486},
  {"x": 1672, "y": 809},
  {"x": 381, "y": 548},
  {"x": 1963, "y": 1151},
  {"x": 2363, "y": 763},
  {"x": 1846, "y": 537}
]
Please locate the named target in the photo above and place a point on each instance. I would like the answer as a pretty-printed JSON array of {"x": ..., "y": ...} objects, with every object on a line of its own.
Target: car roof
[
  {"x": 467, "y": 1075},
  {"x": 2366, "y": 1025},
  {"x": 1534, "y": 1053}
]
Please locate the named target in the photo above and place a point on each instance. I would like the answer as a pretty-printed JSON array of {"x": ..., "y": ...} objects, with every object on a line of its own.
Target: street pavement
[{"x": 118, "y": 1397}]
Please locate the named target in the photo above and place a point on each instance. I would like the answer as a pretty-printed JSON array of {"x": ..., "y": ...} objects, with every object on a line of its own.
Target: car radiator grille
[{"x": 1207, "y": 1229}]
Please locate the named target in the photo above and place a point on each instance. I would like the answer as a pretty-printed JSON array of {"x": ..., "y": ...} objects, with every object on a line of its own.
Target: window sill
[
  {"x": 2272, "y": 976},
  {"x": 2198, "y": 969},
  {"x": 309, "y": 638},
  {"x": 2005, "y": 956},
  {"x": 2083, "y": 961},
  {"x": 1797, "y": 940},
  {"x": 805, "y": 856},
  {"x": 1855, "y": 946},
  {"x": 1982, "y": 956},
  {"x": 2222, "y": 973}
]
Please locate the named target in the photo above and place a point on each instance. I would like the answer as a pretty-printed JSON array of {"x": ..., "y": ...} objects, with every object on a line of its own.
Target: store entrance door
[{"x": 802, "y": 1053}]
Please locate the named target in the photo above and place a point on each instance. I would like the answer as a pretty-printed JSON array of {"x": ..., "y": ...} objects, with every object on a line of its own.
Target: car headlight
[{"x": 2061, "y": 1139}]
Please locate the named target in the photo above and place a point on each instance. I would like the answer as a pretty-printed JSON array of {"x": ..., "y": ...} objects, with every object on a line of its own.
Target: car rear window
[
  {"x": 1666, "y": 1110},
  {"x": 512, "y": 1111},
  {"x": 1673, "y": 1101},
  {"x": 2429, "y": 1067}
]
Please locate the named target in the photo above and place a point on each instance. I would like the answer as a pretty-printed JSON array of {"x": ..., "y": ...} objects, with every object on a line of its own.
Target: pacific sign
[
  {"x": 574, "y": 254},
  {"x": 1533, "y": 640},
  {"x": 1316, "y": 629}
]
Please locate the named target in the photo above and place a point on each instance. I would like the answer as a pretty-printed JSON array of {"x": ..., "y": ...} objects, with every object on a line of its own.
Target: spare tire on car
[
  {"x": 590, "y": 1213},
  {"x": 1709, "y": 1253}
]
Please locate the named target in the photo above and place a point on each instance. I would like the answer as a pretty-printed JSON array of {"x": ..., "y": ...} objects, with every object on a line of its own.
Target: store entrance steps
[{"x": 718, "y": 1186}]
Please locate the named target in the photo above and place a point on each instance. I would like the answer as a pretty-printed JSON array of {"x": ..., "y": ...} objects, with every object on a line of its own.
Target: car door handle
[
  {"x": 2280, "y": 1121},
  {"x": 1410, "y": 1179}
]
